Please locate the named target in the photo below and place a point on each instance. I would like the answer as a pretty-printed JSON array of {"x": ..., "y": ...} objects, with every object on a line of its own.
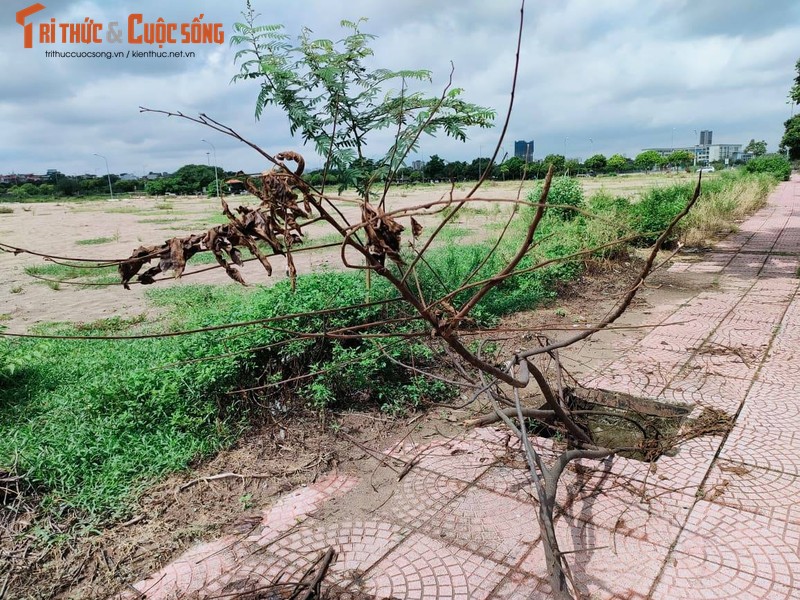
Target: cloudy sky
[{"x": 595, "y": 76}]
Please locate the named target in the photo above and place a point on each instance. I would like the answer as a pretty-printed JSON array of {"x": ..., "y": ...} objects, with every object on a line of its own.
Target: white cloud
[{"x": 625, "y": 74}]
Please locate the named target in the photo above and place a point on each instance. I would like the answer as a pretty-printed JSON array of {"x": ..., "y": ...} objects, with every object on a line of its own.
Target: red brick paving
[{"x": 719, "y": 520}]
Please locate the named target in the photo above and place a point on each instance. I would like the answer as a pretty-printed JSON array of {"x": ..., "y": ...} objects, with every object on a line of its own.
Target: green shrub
[
  {"x": 770, "y": 163},
  {"x": 565, "y": 192},
  {"x": 657, "y": 208}
]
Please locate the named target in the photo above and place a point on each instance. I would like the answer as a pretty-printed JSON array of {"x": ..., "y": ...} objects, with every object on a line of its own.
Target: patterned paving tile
[
  {"x": 419, "y": 496},
  {"x": 725, "y": 362},
  {"x": 295, "y": 507},
  {"x": 640, "y": 374},
  {"x": 522, "y": 586},
  {"x": 426, "y": 568},
  {"x": 515, "y": 482},
  {"x": 752, "y": 489},
  {"x": 690, "y": 578},
  {"x": 775, "y": 405},
  {"x": 488, "y": 524},
  {"x": 706, "y": 390},
  {"x": 358, "y": 545},
  {"x": 604, "y": 564},
  {"x": 743, "y": 541},
  {"x": 752, "y": 340},
  {"x": 663, "y": 341},
  {"x": 762, "y": 446},
  {"x": 682, "y": 472},
  {"x": 205, "y": 563},
  {"x": 652, "y": 515},
  {"x": 190, "y": 572}
]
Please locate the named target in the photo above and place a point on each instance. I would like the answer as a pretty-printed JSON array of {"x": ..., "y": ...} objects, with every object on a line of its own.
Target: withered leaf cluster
[
  {"x": 274, "y": 222},
  {"x": 383, "y": 233}
]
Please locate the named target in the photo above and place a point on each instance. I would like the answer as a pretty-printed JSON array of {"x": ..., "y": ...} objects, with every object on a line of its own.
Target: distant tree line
[{"x": 199, "y": 179}]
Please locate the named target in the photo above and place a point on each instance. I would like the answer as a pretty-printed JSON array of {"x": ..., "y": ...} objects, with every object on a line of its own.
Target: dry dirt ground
[
  {"x": 278, "y": 455},
  {"x": 64, "y": 228}
]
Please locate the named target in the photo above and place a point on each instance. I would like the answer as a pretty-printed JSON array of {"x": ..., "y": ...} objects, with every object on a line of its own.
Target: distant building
[
  {"x": 711, "y": 153},
  {"x": 417, "y": 165},
  {"x": 724, "y": 152},
  {"x": 523, "y": 150},
  {"x": 705, "y": 137},
  {"x": 667, "y": 151}
]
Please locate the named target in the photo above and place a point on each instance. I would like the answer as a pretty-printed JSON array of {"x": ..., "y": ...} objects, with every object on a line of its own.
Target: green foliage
[
  {"x": 680, "y": 158},
  {"x": 189, "y": 179},
  {"x": 557, "y": 160},
  {"x": 434, "y": 168},
  {"x": 334, "y": 100},
  {"x": 92, "y": 422},
  {"x": 794, "y": 93},
  {"x": 211, "y": 189},
  {"x": 564, "y": 192},
  {"x": 771, "y": 163},
  {"x": 513, "y": 168},
  {"x": 657, "y": 208},
  {"x": 791, "y": 137},
  {"x": 647, "y": 160},
  {"x": 617, "y": 163},
  {"x": 756, "y": 148},
  {"x": 596, "y": 162}
]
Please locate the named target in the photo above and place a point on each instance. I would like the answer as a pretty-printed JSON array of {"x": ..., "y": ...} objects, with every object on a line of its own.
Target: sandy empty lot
[{"x": 63, "y": 228}]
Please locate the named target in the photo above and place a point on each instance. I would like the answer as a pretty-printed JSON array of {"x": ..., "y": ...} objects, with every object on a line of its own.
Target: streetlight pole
[
  {"x": 216, "y": 178},
  {"x": 108, "y": 174}
]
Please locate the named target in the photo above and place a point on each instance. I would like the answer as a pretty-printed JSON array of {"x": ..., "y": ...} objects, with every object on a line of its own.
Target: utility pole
[{"x": 108, "y": 174}]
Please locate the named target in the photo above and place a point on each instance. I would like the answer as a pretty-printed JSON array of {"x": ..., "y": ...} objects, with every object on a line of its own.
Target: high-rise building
[
  {"x": 523, "y": 150},
  {"x": 705, "y": 137}
]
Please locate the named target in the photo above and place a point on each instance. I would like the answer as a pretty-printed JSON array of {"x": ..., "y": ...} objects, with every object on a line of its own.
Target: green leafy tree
[
  {"x": 647, "y": 160},
  {"x": 514, "y": 167},
  {"x": 67, "y": 186},
  {"x": 617, "y": 163},
  {"x": 680, "y": 158},
  {"x": 596, "y": 162},
  {"x": 791, "y": 138},
  {"x": 794, "y": 93},
  {"x": 476, "y": 168},
  {"x": 335, "y": 100},
  {"x": 557, "y": 160},
  {"x": 457, "y": 170},
  {"x": 435, "y": 168},
  {"x": 572, "y": 166},
  {"x": 756, "y": 148}
]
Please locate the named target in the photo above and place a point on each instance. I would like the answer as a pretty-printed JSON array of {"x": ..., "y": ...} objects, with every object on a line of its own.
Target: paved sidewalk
[{"x": 717, "y": 520}]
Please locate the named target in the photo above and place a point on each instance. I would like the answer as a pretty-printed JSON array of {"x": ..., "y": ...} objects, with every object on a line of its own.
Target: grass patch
[
  {"x": 98, "y": 240},
  {"x": 725, "y": 201},
  {"x": 93, "y": 422},
  {"x": 6, "y": 210},
  {"x": 60, "y": 273},
  {"x": 159, "y": 221}
]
